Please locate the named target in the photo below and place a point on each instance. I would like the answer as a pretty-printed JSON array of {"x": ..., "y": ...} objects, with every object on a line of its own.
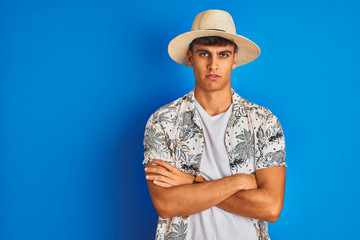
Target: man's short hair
[{"x": 212, "y": 41}]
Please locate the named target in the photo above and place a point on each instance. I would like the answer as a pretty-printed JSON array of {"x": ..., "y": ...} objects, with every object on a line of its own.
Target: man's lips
[{"x": 213, "y": 76}]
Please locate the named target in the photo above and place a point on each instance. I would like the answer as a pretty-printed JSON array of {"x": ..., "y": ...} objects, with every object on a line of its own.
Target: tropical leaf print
[
  {"x": 245, "y": 149},
  {"x": 153, "y": 139},
  {"x": 275, "y": 158},
  {"x": 260, "y": 138},
  {"x": 260, "y": 133},
  {"x": 260, "y": 115},
  {"x": 179, "y": 233},
  {"x": 181, "y": 152},
  {"x": 237, "y": 115},
  {"x": 163, "y": 117},
  {"x": 188, "y": 128},
  {"x": 162, "y": 221},
  {"x": 195, "y": 158}
]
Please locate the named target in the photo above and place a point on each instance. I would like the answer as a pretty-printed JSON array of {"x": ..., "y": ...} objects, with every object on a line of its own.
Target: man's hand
[{"x": 166, "y": 175}]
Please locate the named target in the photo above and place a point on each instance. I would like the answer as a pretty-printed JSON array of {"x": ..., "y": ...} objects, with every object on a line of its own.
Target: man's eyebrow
[
  {"x": 202, "y": 50},
  {"x": 226, "y": 51}
]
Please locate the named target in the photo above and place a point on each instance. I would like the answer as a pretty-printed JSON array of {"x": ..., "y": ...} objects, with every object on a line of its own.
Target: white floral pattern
[{"x": 254, "y": 140}]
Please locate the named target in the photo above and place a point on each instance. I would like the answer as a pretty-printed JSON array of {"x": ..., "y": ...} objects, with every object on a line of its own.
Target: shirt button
[{"x": 201, "y": 136}]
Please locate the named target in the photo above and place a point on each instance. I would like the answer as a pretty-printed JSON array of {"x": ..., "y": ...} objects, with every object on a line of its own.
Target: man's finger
[
  {"x": 155, "y": 166},
  {"x": 159, "y": 170},
  {"x": 160, "y": 179}
]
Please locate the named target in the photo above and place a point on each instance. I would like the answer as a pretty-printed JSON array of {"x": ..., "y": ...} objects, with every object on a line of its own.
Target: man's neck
[{"x": 214, "y": 102}]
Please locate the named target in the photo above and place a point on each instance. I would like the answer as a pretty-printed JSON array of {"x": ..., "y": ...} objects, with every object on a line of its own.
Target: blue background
[{"x": 78, "y": 81}]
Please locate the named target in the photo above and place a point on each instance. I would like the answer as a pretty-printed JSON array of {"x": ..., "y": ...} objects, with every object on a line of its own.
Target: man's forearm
[
  {"x": 264, "y": 203},
  {"x": 259, "y": 197},
  {"x": 250, "y": 202},
  {"x": 189, "y": 199},
  {"x": 254, "y": 203}
]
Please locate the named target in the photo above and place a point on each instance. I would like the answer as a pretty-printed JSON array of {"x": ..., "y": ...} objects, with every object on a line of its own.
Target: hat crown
[{"x": 214, "y": 20}]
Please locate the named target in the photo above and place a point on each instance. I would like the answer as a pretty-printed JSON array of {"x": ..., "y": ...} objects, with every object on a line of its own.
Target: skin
[
  {"x": 173, "y": 193},
  {"x": 187, "y": 198},
  {"x": 259, "y": 195},
  {"x": 212, "y": 66}
]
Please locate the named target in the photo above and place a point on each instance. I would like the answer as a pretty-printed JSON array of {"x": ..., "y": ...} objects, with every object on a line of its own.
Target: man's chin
[{"x": 214, "y": 88}]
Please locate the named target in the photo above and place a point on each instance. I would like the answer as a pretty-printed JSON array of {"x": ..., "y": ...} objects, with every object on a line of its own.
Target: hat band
[{"x": 215, "y": 29}]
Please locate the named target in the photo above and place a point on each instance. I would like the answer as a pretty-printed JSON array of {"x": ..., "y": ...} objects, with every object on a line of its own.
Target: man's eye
[
  {"x": 203, "y": 54},
  {"x": 224, "y": 55}
]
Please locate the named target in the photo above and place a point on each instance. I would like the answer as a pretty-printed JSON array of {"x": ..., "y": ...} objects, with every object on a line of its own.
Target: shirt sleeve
[
  {"x": 156, "y": 142},
  {"x": 271, "y": 144}
]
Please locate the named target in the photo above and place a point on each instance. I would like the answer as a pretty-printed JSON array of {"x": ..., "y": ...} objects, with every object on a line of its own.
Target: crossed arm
[{"x": 257, "y": 196}]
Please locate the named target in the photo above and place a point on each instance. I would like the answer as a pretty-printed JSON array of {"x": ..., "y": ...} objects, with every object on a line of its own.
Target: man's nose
[{"x": 213, "y": 63}]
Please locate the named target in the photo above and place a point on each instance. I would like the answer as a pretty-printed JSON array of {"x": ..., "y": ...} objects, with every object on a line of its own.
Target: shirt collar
[{"x": 236, "y": 100}]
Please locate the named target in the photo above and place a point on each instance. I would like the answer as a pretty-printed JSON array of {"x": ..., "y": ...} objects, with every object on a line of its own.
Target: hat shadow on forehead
[{"x": 213, "y": 23}]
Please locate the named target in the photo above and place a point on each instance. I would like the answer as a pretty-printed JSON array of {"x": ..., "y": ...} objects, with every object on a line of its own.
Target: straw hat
[{"x": 213, "y": 23}]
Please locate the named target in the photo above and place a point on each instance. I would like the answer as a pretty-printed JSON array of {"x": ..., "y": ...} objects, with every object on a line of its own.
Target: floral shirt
[{"x": 253, "y": 139}]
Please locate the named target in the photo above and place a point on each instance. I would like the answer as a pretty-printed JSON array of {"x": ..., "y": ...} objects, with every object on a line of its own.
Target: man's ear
[
  {"x": 235, "y": 60},
  {"x": 189, "y": 56}
]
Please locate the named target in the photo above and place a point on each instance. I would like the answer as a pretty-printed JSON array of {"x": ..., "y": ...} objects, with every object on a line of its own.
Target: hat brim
[{"x": 248, "y": 50}]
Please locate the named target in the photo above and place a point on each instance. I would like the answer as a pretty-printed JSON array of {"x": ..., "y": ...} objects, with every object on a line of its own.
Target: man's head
[
  {"x": 212, "y": 59},
  {"x": 213, "y": 23}
]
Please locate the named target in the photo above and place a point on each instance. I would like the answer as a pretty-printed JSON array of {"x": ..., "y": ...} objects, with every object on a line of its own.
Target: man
[{"x": 214, "y": 162}]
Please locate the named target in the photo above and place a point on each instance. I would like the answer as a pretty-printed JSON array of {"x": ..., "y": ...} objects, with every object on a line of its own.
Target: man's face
[{"x": 212, "y": 66}]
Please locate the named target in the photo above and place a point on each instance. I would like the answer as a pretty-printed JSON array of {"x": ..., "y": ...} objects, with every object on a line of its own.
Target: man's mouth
[{"x": 213, "y": 76}]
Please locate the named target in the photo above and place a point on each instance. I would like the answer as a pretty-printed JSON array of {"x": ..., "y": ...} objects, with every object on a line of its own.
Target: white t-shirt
[{"x": 215, "y": 223}]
